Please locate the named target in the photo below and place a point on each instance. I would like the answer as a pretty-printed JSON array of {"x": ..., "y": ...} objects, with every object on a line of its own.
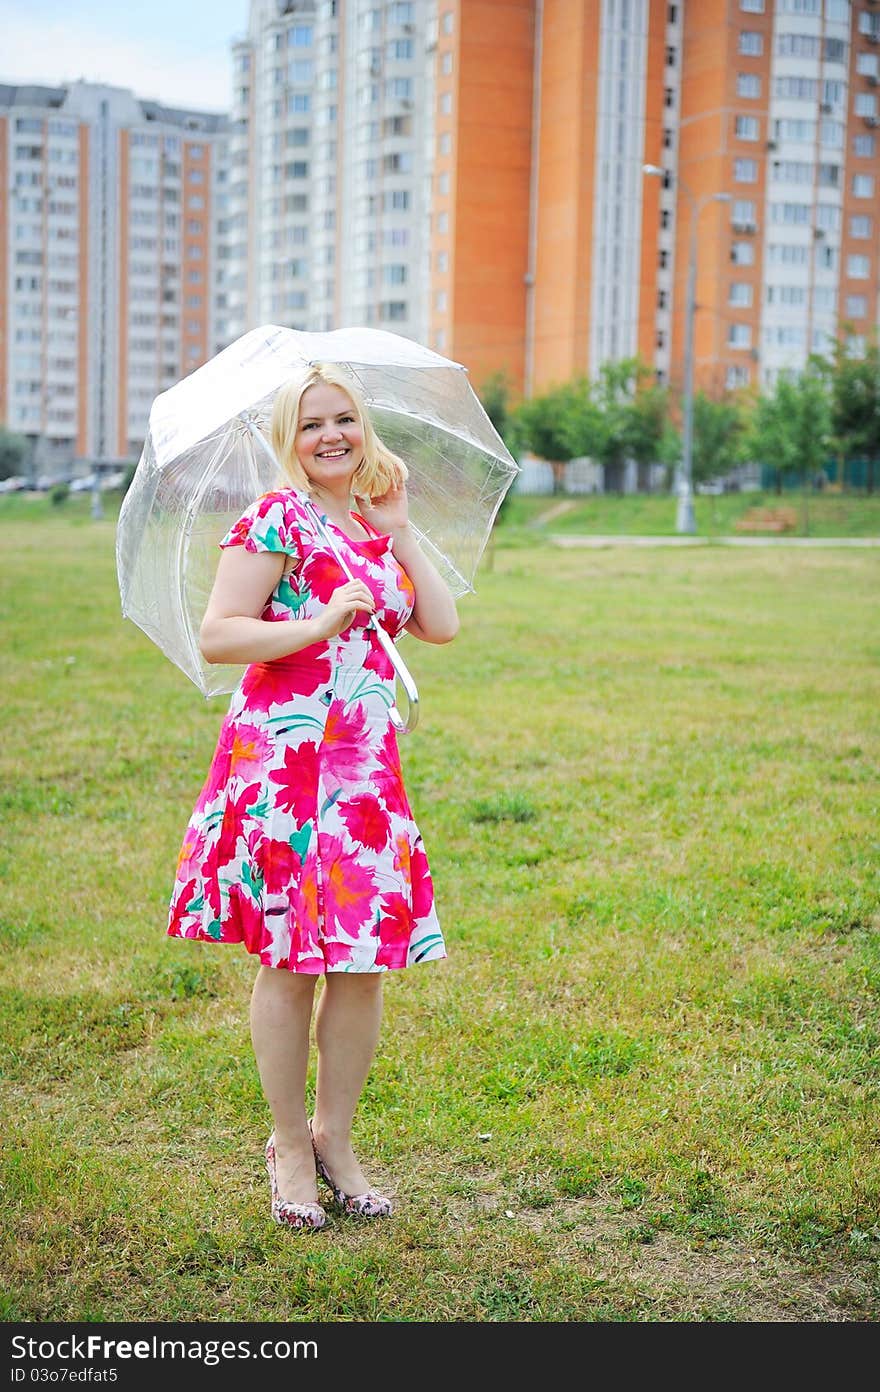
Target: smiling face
[{"x": 329, "y": 437}]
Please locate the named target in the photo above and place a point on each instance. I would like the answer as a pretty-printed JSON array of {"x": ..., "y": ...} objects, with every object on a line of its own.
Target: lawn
[{"x": 644, "y": 1084}]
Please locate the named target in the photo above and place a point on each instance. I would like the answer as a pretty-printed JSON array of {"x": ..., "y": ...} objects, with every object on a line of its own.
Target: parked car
[
  {"x": 82, "y": 485},
  {"x": 13, "y": 485}
]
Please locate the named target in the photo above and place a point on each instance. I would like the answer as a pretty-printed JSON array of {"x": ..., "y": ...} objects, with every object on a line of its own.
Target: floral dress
[{"x": 302, "y": 844}]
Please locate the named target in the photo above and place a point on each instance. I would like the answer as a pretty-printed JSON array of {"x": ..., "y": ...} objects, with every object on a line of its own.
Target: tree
[
  {"x": 855, "y": 401},
  {"x": 719, "y": 428},
  {"x": 14, "y": 450},
  {"x": 791, "y": 428},
  {"x": 560, "y": 425},
  {"x": 494, "y": 396},
  {"x": 634, "y": 420}
]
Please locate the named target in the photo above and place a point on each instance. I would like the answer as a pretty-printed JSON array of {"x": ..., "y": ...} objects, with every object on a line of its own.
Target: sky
[{"x": 172, "y": 51}]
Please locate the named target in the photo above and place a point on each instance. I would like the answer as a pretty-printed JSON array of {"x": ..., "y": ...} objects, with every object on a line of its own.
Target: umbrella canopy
[{"x": 201, "y": 467}]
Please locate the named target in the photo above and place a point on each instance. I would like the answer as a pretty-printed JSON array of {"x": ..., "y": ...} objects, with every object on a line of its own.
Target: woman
[{"x": 302, "y": 844}]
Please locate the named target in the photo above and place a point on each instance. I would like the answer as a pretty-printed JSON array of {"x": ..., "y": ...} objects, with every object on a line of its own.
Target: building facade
[
  {"x": 330, "y": 148},
  {"x": 472, "y": 173},
  {"x": 108, "y": 263},
  {"x": 771, "y": 104}
]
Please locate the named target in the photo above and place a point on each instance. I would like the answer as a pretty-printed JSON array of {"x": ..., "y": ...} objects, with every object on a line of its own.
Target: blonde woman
[{"x": 302, "y": 844}]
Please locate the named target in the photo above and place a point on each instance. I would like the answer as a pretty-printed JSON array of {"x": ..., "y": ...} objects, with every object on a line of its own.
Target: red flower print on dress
[
  {"x": 184, "y": 895},
  {"x": 191, "y": 852},
  {"x": 249, "y": 751},
  {"x": 323, "y": 574},
  {"x": 348, "y": 886},
  {"x": 278, "y": 863},
  {"x": 366, "y": 819},
  {"x": 232, "y": 826},
  {"x": 346, "y": 745},
  {"x": 268, "y": 684},
  {"x": 298, "y": 782},
  {"x": 422, "y": 886},
  {"x": 395, "y": 929},
  {"x": 378, "y": 661},
  {"x": 247, "y": 917}
]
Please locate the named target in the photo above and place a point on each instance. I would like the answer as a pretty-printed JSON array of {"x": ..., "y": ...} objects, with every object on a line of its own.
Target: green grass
[
  {"x": 651, "y": 514},
  {"x": 644, "y": 1084}
]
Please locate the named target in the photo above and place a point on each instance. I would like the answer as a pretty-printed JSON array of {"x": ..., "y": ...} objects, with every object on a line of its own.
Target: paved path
[{"x": 598, "y": 542}]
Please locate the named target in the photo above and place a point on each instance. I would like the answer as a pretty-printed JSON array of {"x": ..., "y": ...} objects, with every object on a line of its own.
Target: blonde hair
[{"x": 379, "y": 468}]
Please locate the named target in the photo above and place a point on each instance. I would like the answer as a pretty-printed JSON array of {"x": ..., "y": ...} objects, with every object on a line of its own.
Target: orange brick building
[{"x": 552, "y": 250}]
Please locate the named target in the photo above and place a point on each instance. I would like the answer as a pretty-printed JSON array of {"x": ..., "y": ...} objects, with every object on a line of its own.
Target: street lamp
[{"x": 684, "y": 517}]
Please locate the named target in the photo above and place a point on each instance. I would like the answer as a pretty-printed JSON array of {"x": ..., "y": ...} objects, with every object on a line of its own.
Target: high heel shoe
[
  {"x": 368, "y": 1205},
  {"x": 307, "y": 1216}
]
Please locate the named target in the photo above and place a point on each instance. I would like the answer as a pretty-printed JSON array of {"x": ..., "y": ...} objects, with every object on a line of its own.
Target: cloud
[{"x": 171, "y": 71}]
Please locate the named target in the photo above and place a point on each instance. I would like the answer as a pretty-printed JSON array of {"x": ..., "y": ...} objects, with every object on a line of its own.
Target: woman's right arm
[{"x": 232, "y": 630}]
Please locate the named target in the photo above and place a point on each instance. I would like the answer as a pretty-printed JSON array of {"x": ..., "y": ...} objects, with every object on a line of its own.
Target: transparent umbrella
[{"x": 206, "y": 458}]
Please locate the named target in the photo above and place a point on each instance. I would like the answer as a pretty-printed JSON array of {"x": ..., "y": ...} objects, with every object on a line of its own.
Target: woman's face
[{"x": 329, "y": 438}]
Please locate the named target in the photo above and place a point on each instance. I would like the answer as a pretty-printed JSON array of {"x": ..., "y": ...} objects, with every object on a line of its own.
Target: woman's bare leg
[
  {"x": 347, "y": 1025},
  {"x": 281, "y": 1012}
]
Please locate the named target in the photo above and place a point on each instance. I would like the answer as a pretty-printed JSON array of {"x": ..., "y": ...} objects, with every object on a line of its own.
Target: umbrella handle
[{"x": 402, "y": 724}]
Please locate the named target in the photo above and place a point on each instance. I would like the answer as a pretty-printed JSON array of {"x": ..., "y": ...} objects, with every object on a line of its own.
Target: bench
[{"x": 779, "y": 519}]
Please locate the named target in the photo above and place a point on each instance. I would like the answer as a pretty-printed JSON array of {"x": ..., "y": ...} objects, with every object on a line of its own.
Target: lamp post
[{"x": 684, "y": 517}]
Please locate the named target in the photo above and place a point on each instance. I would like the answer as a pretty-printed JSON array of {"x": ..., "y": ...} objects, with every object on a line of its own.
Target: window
[
  {"x": 743, "y": 213},
  {"x": 800, "y": 132},
  {"x": 834, "y": 50},
  {"x": 797, "y": 88},
  {"x": 392, "y": 309},
  {"x": 752, "y": 6},
  {"x": 833, "y": 92},
  {"x": 857, "y": 306},
  {"x": 736, "y": 377},
  {"x": 802, "y": 7},
  {"x": 300, "y": 70},
  {"x": 797, "y": 45},
  {"x": 868, "y": 23},
  {"x": 831, "y": 134},
  {"x": 860, "y": 227},
  {"x": 863, "y": 186},
  {"x": 747, "y": 127},
  {"x": 865, "y": 104},
  {"x": 739, "y": 336},
  {"x": 825, "y": 298},
  {"x": 740, "y": 293},
  {"x": 787, "y": 254},
  {"x": 743, "y": 253},
  {"x": 787, "y": 294},
  {"x": 748, "y": 85},
  {"x": 792, "y": 172},
  {"x": 445, "y": 144},
  {"x": 858, "y": 267},
  {"x": 446, "y": 64},
  {"x": 829, "y": 175},
  {"x": 795, "y": 214},
  {"x": 868, "y": 64},
  {"x": 745, "y": 171},
  {"x": 300, "y": 36},
  {"x": 828, "y": 217},
  {"x": 751, "y": 43},
  {"x": 864, "y": 146},
  {"x": 298, "y": 102}
]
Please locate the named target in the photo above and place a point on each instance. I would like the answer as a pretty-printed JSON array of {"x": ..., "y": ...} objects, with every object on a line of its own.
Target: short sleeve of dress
[{"x": 269, "y": 524}]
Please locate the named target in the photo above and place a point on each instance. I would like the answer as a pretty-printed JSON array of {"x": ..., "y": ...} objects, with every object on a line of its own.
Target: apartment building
[
  {"x": 760, "y": 120},
  {"x": 329, "y": 153},
  {"x": 109, "y": 262},
  {"x": 472, "y": 173}
]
